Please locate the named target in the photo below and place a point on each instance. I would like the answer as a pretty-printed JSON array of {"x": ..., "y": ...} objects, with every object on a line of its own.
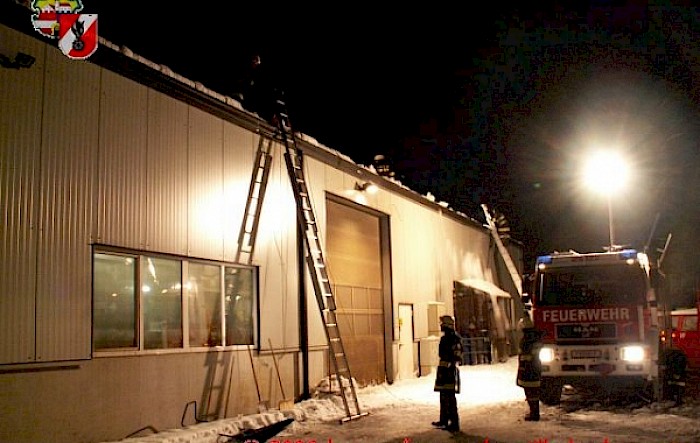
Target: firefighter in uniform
[
  {"x": 447, "y": 378},
  {"x": 530, "y": 367},
  {"x": 675, "y": 374}
]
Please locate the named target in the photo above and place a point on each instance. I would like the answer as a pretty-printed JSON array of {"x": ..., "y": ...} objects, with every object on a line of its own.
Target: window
[
  {"x": 140, "y": 301},
  {"x": 204, "y": 304},
  {"x": 239, "y": 303},
  {"x": 161, "y": 297},
  {"x": 114, "y": 298},
  {"x": 592, "y": 285}
]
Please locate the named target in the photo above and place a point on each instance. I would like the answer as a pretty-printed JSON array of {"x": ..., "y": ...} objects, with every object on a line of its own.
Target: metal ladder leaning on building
[
  {"x": 507, "y": 259},
  {"x": 315, "y": 261}
]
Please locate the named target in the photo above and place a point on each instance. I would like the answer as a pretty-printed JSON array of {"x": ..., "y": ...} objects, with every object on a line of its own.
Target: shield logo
[
  {"x": 46, "y": 12},
  {"x": 77, "y": 35}
]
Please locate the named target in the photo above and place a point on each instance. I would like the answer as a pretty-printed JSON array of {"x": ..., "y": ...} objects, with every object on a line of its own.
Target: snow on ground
[{"x": 491, "y": 409}]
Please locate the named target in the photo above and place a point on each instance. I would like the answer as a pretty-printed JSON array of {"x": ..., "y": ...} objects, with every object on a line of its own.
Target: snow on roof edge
[{"x": 230, "y": 101}]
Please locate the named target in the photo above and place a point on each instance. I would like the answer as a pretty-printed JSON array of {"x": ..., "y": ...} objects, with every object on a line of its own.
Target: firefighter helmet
[{"x": 447, "y": 320}]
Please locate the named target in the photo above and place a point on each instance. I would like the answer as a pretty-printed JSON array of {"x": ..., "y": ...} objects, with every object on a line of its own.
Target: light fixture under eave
[{"x": 368, "y": 187}]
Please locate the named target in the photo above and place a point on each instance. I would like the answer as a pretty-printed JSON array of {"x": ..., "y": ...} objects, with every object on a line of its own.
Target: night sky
[{"x": 498, "y": 104}]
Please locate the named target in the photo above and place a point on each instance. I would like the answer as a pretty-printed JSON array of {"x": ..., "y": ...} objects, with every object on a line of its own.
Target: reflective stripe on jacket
[{"x": 529, "y": 365}]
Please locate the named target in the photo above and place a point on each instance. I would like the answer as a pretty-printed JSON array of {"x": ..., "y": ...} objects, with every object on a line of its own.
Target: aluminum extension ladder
[
  {"x": 507, "y": 259},
  {"x": 315, "y": 261}
]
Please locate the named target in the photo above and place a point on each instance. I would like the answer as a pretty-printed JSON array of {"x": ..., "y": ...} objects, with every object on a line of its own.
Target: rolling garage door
[{"x": 354, "y": 264}]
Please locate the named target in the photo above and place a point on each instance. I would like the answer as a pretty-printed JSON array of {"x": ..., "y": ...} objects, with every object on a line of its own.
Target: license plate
[{"x": 586, "y": 353}]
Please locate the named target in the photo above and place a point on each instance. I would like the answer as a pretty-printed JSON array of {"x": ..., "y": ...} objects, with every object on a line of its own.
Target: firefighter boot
[{"x": 534, "y": 411}]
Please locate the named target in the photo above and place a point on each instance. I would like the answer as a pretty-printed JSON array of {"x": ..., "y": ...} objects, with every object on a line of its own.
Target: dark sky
[
  {"x": 357, "y": 77},
  {"x": 494, "y": 104}
]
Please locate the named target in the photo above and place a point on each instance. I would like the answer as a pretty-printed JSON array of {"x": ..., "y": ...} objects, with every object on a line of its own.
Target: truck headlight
[
  {"x": 546, "y": 355},
  {"x": 634, "y": 354}
]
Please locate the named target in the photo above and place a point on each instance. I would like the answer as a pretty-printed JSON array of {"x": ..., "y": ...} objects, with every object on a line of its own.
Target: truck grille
[{"x": 586, "y": 331}]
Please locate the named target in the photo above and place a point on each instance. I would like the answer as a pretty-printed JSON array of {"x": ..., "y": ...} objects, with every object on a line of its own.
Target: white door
[{"x": 406, "y": 342}]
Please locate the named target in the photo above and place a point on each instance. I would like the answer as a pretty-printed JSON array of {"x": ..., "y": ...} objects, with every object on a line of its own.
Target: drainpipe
[{"x": 304, "y": 392}]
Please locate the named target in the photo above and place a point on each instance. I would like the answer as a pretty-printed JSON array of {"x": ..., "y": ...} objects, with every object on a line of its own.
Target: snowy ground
[{"x": 491, "y": 410}]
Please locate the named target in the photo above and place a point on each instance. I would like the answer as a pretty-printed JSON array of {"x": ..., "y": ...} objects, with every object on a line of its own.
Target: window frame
[{"x": 140, "y": 349}]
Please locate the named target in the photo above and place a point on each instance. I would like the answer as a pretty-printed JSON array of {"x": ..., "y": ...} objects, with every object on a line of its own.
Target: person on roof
[
  {"x": 447, "y": 378},
  {"x": 259, "y": 92},
  {"x": 529, "y": 366}
]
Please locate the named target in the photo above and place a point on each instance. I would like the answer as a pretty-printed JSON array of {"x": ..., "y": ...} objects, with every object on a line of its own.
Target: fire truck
[
  {"x": 600, "y": 317},
  {"x": 682, "y": 333}
]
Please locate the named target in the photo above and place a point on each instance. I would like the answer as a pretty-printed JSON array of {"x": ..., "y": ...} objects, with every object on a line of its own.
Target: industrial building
[{"x": 123, "y": 187}]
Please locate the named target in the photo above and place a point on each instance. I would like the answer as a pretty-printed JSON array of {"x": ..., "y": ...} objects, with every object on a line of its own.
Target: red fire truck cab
[{"x": 599, "y": 314}]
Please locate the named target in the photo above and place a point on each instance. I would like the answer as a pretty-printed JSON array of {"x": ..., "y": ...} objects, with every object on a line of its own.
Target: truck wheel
[{"x": 550, "y": 392}]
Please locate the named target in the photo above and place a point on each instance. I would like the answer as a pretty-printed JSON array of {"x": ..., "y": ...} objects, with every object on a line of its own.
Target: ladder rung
[{"x": 331, "y": 325}]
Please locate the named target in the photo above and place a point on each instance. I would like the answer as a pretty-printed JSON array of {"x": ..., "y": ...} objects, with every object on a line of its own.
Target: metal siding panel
[
  {"x": 410, "y": 252},
  {"x": 122, "y": 162},
  {"x": 68, "y": 162},
  {"x": 239, "y": 153},
  {"x": 205, "y": 186},
  {"x": 166, "y": 199},
  {"x": 20, "y": 139}
]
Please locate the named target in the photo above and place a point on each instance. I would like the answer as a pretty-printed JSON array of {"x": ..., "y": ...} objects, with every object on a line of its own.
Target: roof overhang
[{"x": 484, "y": 286}]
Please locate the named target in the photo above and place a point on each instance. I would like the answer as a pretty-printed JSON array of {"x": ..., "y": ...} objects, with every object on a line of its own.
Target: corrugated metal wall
[
  {"x": 205, "y": 186},
  {"x": 68, "y": 164},
  {"x": 239, "y": 151},
  {"x": 21, "y": 97},
  {"x": 166, "y": 172},
  {"x": 122, "y": 172},
  {"x": 90, "y": 156}
]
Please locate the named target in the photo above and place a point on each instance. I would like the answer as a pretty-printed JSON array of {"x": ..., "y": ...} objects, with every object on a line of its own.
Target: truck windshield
[{"x": 590, "y": 286}]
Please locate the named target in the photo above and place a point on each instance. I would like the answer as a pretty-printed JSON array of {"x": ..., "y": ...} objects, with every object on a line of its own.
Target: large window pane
[
  {"x": 239, "y": 301},
  {"x": 138, "y": 302},
  {"x": 204, "y": 304},
  {"x": 114, "y": 299},
  {"x": 161, "y": 291}
]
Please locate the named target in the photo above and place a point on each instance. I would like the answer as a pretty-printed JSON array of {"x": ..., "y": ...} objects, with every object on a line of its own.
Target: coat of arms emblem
[
  {"x": 77, "y": 35},
  {"x": 60, "y": 19},
  {"x": 46, "y": 12}
]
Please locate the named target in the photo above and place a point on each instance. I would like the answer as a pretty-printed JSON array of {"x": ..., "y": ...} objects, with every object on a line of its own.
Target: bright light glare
[
  {"x": 633, "y": 354},
  {"x": 606, "y": 172},
  {"x": 546, "y": 355}
]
